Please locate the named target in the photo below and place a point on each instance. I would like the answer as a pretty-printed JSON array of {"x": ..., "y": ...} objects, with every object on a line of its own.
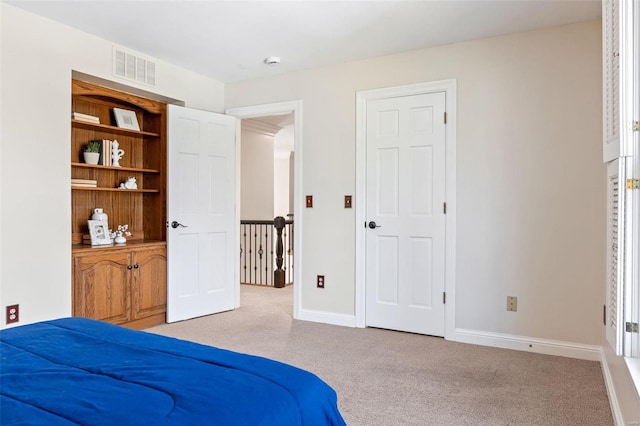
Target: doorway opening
[
  {"x": 266, "y": 200},
  {"x": 278, "y": 111}
]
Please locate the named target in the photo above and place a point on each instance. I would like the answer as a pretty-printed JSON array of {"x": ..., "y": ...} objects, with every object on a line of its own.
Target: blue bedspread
[{"x": 80, "y": 371}]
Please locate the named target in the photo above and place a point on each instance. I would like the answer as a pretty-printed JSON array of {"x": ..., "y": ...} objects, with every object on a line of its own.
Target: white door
[
  {"x": 405, "y": 190},
  {"x": 200, "y": 213}
]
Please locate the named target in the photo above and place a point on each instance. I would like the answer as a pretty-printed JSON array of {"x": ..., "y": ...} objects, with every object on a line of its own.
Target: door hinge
[
  {"x": 633, "y": 183},
  {"x": 444, "y": 208},
  {"x": 444, "y": 297},
  {"x": 631, "y": 327},
  {"x": 604, "y": 314},
  {"x": 634, "y": 126},
  {"x": 445, "y": 118}
]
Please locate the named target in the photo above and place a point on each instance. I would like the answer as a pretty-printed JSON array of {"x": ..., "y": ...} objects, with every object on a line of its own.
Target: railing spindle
[{"x": 278, "y": 275}]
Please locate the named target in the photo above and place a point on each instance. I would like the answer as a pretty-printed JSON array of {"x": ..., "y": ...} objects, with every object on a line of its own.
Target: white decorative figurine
[
  {"x": 129, "y": 184},
  {"x": 116, "y": 154}
]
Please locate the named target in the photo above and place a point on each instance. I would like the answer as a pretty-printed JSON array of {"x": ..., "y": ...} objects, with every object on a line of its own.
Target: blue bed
[{"x": 81, "y": 371}]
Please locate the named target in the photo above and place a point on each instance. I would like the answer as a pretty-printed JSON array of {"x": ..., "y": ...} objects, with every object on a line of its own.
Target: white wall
[
  {"x": 281, "y": 187},
  {"x": 37, "y": 57},
  {"x": 283, "y": 173},
  {"x": 530, "y": 181},
  {"x": 256, "y": 181}
]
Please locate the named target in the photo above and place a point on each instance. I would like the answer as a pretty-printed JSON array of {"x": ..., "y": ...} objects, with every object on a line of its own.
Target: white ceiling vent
[{"x": 133, "y": 67}]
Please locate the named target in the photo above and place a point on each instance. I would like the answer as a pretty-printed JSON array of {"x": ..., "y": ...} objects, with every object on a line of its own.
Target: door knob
[
  {"x": 373, "y": 225},
  {"x": 175, "y": 224}
]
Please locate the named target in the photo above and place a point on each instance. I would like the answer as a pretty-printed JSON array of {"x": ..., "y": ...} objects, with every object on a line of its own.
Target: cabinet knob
[
  {"x": 136, "y": 266},
  {"x": 129, "y": 266}
]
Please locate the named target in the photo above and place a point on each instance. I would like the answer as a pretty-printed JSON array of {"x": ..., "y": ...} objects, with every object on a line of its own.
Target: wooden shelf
[
  {"x": 111, "y": 129},
  {"x": 86, "y": 248},
  {"x": 126, "y": 169},
  {"x": 133, "y": 191}
]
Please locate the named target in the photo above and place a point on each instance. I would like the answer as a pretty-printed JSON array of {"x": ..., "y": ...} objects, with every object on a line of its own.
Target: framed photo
[
  {"x": 126, "y": 119},
  {"x": 99, "y": 232}
]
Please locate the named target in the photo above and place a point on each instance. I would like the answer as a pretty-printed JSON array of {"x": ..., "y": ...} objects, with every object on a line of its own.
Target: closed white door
[
  {"x": 405, "y": 236},
  {"x": 202, "y": 229}
]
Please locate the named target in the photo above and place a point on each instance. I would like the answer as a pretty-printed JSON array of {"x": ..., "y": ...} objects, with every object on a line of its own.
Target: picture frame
[
  {"x": 99, "y": 232},
  {"x": 126, "y": 119}
]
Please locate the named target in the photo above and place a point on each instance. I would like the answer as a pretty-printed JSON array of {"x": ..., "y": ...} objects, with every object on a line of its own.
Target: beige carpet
[{"x": 390, "y": 378}]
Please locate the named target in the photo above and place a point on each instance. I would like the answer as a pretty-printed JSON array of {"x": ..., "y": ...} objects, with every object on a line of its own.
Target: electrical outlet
[
  {"x": 512, "y": 303},
  {"x": 13, "y": 314},
  {"x": 320, "y": 281}
]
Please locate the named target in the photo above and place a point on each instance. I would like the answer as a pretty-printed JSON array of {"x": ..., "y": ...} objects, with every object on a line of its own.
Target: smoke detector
[{"x": 272, "y": 60}]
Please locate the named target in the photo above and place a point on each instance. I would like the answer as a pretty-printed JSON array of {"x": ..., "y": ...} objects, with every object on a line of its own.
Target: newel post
[{"x": 278, "y": 274}]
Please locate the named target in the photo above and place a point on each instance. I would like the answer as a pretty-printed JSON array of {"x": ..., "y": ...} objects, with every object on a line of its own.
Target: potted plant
[{"x": 92, "y": 152}]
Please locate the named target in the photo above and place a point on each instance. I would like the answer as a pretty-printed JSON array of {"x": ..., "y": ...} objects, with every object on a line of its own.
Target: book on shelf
[
  {"x": 92, "y": 181},
  {"x": 86, "y": 239},
  {"x": 85, "y": 117},
  {"x": 105, "y": 152},
  {"x": 93, "y": 184}
]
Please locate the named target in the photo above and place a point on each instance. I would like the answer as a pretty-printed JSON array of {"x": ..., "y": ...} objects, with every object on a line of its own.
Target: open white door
[{"x": 202, "y": 226}]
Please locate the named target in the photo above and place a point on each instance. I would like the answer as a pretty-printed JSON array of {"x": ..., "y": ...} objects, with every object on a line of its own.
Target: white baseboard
[
  {"x": 616, "y": 411},
  {"x": 327, "y": 317},
  {"x": 529, "y": 344}
]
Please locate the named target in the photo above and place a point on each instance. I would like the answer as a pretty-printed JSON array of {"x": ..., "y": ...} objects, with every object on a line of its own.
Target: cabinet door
[
  {"x": 102, "y": 287},
  {"x": 149, "y": 287}
]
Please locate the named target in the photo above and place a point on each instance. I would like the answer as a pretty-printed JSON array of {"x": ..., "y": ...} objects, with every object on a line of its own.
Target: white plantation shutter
[
  {"x": 614, "y": 275},
  {"x": 621, "y": 150},
  {"x": 611, "y": 87}
]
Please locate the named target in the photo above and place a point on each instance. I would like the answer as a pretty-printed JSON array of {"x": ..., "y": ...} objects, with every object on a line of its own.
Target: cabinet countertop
[{"x": 130, "y": 245}]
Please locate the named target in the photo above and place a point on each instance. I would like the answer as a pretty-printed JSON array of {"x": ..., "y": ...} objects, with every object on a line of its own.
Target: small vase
[
  {"x": 120, "y": 240},
  {"x": 99, "y": 214}
]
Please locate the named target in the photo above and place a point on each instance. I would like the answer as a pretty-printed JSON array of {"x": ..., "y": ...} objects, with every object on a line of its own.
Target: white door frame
[
  {"x": 279, "y": 108},
  {"x": 450, "y": 89}
]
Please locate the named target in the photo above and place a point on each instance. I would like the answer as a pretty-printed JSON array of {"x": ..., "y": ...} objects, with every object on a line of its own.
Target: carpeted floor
[{"x": 390, "y": 378}]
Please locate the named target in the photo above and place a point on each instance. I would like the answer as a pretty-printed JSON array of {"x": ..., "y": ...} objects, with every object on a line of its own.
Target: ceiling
[{"x": 228, "y": 40}]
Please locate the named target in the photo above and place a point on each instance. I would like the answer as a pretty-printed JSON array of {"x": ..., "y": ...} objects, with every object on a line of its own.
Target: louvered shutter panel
[
  {"x": 615, "y": 235},
  {"x": 611, "y": 64}
]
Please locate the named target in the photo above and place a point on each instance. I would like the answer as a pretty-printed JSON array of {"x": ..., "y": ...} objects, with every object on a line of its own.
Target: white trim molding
[
  {"x": 327, "y": 317},
  {"x": 529, "y": 344},
  {"x": 616, "y": 411},
  {"x": 282, "y": 108},
  {"x": 449, "y": 87}
]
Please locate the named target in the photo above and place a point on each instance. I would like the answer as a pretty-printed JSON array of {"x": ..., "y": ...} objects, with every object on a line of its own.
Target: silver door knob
[
  {"x": 373, "y": 225},
  {"x": 175, "y": 224}
]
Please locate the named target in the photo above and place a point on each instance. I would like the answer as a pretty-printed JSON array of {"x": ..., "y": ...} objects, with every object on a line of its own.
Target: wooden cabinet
[{"x": 120, "y": 284}]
